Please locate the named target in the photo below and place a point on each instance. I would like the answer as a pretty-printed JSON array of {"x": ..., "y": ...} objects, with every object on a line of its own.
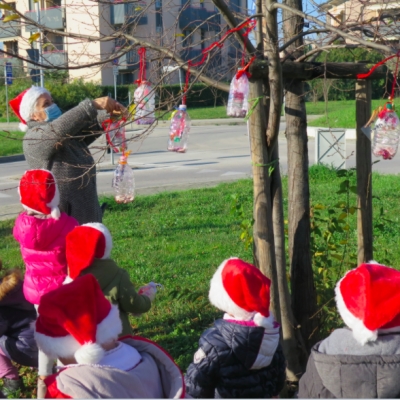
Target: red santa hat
[
  {"x": 241, "y": 290},
  {"x": 38, "y": 192},
  {"x": 23, "y": 105},
  {"x": 85, "y": 243},
  {"x": 75, "y": 320},
  {"x": 368, "y": 300}
]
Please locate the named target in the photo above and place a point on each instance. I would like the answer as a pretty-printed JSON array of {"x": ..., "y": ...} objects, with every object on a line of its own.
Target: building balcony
[
  {"x": 128, "y": 13},
  {"x": 193, "y": 17},
  {"x": 57, "y": 58},
  {"x": 10, "y": 29},
  {"x": 52, "y": 18},
  {"x": 129, "y": 61}
]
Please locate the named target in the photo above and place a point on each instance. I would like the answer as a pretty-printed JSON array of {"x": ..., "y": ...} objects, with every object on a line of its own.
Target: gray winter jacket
[
  {"x": 340, "y": 367},
  {"x": 62, "y": 147}
]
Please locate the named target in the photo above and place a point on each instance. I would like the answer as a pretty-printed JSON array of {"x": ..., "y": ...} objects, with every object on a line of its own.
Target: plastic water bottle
[
  {"x": 124, "y": 181},
  {"x": 179, "y": 130},
  {"x": 387, "y": 133},
  {"x": 238, "y": 97},
  {"x": 145, "y": 104}
]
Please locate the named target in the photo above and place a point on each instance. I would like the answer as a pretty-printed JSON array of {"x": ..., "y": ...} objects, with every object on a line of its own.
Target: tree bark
[
  {"x": 292, "y": 341},
  {"x": 314, "y": 70},
  {"x": 364, "y": 174},
  {"x": 302, "y": 281},
  {"x": 264, "y": 247}
]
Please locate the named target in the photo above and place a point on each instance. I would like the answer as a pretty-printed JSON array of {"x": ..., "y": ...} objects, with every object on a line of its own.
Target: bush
[{"x": 69, "y": 95}]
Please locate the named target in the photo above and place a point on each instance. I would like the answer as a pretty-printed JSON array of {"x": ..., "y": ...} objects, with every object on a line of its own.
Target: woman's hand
[{"x": 110, "y": 105}]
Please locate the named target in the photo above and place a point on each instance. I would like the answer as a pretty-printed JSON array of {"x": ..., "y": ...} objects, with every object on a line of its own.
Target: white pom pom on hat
[{"x": 75, "y": 320}]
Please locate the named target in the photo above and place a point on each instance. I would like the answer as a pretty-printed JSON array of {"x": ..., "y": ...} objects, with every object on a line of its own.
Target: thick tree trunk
[
  {"x": 302, "y": 283},
  {"x": 263, "y": 235},
  {"x": 364, "y": 174},
  {"x": 292, "y": 341}
]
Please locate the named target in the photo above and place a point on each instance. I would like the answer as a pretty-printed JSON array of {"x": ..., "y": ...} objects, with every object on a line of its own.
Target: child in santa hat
[
  {"x": 78, "y": 325},
  {"x": 17, "y": 342},
  {"x": 41, "y": 231},
  {"x": 361, "y": 360},
  {"x": 88, "y": 252},
  {"x": 240, "y": 356}
]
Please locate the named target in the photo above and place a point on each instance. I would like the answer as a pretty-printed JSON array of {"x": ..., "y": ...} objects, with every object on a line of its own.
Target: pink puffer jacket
[{"x": 43, "y": 251}]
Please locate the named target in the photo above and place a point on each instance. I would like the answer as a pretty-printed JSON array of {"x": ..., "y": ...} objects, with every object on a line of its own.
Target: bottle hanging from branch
[
  {"x": 238, "y": 96},
  {"x": 179, "y": 130},
  {"x": 387, "y": 132},
  {"x": 124, "y": 180},
  {"x": 115, "y": 134},
  {"x": 145, "y": 104}
]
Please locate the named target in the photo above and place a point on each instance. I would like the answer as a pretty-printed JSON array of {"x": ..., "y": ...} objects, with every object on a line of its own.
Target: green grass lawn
[
  {"x": 197, "y": 113},
  {"x": 11, "y": 143},
  {"x": 179, "y": 238},
  {"x": 341, "y": 114}
]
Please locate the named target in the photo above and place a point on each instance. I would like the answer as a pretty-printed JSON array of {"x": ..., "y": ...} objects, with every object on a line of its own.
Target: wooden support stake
[{"x": 364, "y": 171}]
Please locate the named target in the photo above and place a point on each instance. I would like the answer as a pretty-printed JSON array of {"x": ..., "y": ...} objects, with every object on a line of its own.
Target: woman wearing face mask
[{"x": 59, "y": 143}]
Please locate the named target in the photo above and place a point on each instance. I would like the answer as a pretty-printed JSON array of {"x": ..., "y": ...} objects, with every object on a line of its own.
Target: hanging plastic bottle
[
  {"x": 124, "y": 181},
  {"x": 238, "y": 96},
  {"x": 145, "y": 104},
  {"x": 115, "y": 134},
  {"x": 179, "y": 130},
  {"x": 387, "y": 133}
]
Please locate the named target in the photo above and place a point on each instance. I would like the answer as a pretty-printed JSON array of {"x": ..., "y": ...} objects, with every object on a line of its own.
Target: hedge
[{"x": 69, "y": 95}]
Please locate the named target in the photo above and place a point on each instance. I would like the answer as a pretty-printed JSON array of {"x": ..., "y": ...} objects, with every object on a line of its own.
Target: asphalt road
[{"x": 215, "y": 154}]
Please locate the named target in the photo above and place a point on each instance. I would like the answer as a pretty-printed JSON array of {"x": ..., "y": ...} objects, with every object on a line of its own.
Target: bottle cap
[
  {"x": 124, "y": 158},
  {"x": 389, "y": 106},
  {"x": 182, "y": 107}
]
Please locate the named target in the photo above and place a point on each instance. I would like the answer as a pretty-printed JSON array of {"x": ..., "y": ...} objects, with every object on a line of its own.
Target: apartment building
[
  {"x": 183, "y": 26},
  {"x": 368, "y": 13}
]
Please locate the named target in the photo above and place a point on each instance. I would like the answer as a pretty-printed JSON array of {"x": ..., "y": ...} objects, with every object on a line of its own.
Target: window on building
[
  {"x": 11, "y": 47},
  {"x": 159, "y": 20},
  {"x": 235, "y": 5}
]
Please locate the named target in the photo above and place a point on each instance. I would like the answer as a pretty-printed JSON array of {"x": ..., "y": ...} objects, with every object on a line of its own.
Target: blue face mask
[{"x": 52, "y": 112}]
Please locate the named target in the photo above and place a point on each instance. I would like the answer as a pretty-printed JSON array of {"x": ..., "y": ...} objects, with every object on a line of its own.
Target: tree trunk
[
  {"x": 304, "y": 302},
  {"x": 292, "y": 341},
  {"x": 302, "y": 280},
  {"x": 364, "y": 174},
  {"x": 264, "y": 247}
]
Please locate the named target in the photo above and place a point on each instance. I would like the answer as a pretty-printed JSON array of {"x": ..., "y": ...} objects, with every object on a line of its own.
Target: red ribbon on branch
[
  {"x": 250, "y": 24},
  {"x": 369, "y": 73},
  {"x": 142, "y": 65}
]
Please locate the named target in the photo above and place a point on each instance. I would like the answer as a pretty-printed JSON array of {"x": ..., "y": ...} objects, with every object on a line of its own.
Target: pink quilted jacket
[{"x": 43, "y": 251}]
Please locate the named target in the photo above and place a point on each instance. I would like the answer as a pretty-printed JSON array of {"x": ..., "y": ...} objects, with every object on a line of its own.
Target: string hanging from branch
[
  {"x": 144, "y": 97},
  {"x": 180, "y": 121},
  {"x": 386, "y": 136}
]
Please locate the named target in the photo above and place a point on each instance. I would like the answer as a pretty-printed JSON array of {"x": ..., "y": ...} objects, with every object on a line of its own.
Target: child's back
[
  {"x": 88, "y": 252},
  {"x": 236, "y": 360},
  {"x": 16, "y": 317},
  {"x": 362, "y": 360},
  {"x": 240, "y": 356},
  {"x": 41, "y": 232},
  {"x": 42, "y": 244}
]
